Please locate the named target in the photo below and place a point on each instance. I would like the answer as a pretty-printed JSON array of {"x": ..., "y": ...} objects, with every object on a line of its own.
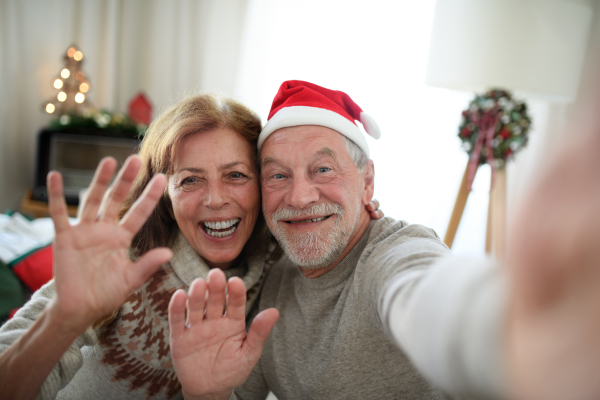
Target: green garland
[
  {"x": 511, "y": 133},
  {"x": 113, "y": 124}
]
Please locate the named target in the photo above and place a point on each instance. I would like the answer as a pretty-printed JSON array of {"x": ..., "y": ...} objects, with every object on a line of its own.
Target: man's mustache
[{"x": 317, "y": 209}]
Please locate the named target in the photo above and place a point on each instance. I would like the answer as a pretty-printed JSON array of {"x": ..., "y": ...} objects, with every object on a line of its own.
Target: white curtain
[{"x": 165, "y": 48}]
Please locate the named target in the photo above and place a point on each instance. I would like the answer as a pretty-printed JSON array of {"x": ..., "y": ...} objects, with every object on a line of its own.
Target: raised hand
[
  {"x": 92, "y": 268},
  {"x": 211, "y": 352},
  {"x": 553, "y": 333}
]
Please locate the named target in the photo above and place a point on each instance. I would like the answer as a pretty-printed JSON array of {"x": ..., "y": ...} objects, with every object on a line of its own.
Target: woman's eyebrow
[
  {"x": 191, "y": 169},
  {"x": 231, "y": 165}
]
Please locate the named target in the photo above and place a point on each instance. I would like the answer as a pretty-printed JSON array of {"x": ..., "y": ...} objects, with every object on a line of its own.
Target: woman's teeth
[
  {"x": 309, "y": 220},
  {"x": 215, "y": 229}
]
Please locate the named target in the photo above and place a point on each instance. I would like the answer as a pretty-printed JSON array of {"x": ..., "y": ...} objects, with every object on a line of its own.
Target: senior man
[{"x": 363, "y": 302}]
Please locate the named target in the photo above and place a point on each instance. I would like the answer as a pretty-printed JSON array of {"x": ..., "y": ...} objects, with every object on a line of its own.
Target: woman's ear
[{"x": 369, "y": 181}]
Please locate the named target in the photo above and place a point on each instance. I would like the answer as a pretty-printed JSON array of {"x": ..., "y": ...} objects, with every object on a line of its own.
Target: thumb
[
  {"x": 259, "y": 331},
  {"x": 141, "y": 271}
]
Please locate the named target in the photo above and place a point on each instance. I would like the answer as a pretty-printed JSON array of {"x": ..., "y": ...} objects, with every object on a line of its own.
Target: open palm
[
  {"x": 211, "y": 352},
  {"x": 553, "y": 332},
  {"x": 92, "y": 267}
]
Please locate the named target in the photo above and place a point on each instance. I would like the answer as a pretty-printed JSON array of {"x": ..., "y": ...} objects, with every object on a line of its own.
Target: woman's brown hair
[{"x": 196, "y": 114}]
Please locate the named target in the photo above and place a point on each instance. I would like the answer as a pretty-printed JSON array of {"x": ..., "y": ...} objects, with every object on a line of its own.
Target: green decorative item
[
  {"x": 494, "y": 128},
  {"x": 116, "y": 124}
]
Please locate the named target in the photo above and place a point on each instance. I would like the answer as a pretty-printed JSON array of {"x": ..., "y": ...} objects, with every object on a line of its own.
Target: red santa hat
[{"x": 304, "y": 103}]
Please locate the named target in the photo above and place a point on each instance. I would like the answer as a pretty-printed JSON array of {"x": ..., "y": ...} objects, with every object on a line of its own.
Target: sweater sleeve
[
  {"x": 448, "y": 319},
  {"x": 255, "y": 387},
  {"x": 70, "y": 362}
]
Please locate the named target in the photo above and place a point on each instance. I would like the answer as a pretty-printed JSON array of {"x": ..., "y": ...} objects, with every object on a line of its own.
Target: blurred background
[{"x": 377, "y": 51}]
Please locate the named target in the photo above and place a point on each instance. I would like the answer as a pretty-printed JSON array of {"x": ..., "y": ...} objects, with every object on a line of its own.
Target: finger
[
  {"x": 109, "y": 209},
  {"x": 56, "y": 201},
  {"x": 215, "y": 305},
  {"x": 147, "y": 265},
  {"x": 259, "y": 331},
  {"x": 177, "y": 314},
  {"x": 377, "y": 214},
  {"x": 236, "y": 299},
  {"x": 373, "y": 205},
  {"x": 195, "y": 302},
  {"x": 143, "y": 207},
  {"x": 95, "y": 193}
]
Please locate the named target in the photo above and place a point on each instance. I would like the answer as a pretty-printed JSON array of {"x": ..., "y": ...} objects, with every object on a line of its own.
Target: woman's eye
[
  {"x": 278, "y": 176},
  {"x": 237, "y": 175},
  {"x": 324, "y": 169},
  {"x": 188, "y": 180}
]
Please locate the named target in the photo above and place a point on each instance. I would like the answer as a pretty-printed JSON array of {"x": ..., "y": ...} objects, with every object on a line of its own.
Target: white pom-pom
[{"x": 370, "y": 125}]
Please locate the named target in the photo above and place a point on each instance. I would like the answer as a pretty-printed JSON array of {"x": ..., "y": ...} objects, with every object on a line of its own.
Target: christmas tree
[{"x": 71, "y": 85}]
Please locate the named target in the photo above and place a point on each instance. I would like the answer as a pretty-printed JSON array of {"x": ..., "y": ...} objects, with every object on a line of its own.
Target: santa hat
[{"x": 304, "y": 103}]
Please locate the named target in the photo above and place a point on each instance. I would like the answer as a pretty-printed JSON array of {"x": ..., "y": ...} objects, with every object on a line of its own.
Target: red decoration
[
  {"x": 140, "y": 110},
  {"x": 35, "y": 269}
]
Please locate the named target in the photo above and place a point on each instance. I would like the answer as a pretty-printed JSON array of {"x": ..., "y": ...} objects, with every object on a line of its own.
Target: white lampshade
[{"x": 533, "y": 47}]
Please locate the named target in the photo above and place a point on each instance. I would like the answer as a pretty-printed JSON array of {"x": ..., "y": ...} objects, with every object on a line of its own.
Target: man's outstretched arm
[
  {"x": 211, "y": 352},
  {"x": 538, "y": 336}
]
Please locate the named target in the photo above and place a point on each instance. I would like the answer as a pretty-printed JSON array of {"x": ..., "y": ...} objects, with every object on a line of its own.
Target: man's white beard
[{"x": 314, "y": 250}]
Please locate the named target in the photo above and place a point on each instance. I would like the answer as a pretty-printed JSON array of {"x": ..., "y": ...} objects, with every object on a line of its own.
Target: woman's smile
[{"x": 221, "y": 229}]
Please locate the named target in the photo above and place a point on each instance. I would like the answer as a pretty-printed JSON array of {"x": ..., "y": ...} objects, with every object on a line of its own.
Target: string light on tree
[{"x": 71, "y": 85}]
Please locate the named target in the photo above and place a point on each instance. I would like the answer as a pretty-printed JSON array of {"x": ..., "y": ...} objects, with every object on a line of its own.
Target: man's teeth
[
  {"x": 309, "y": 220},
  {"x": 210, "y": 227}
]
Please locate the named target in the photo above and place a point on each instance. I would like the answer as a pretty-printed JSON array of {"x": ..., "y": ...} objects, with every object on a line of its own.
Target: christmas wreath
[{"x": 494, "y": 128}]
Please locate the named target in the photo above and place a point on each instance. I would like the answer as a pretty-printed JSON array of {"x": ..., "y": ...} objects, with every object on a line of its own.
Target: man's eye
[
  {"x": 324, "y": 169},
  {"x": 188, "y": 180},
  {"x": 278, "y": 176}
]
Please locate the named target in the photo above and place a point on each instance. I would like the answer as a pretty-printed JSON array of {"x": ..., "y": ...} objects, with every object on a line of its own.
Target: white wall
[{"x": 377, "y": 53}]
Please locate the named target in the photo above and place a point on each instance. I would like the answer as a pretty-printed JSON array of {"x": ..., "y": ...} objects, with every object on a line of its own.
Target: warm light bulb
[
  {"x": 50, "y": 108},
  {"x": 84, "y": 87},
  {"x": 65, "y": 73},
  {"x": 62, "y": 96},
  {"x": 71, "y": 51},
  {"x": 79, "y": 98},
  {"x": 78, "y": 55},
  {"x": 58, "y": 84}
]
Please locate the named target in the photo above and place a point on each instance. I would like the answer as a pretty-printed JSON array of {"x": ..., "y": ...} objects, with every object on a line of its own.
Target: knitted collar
[{"x": 188, "y": 265}]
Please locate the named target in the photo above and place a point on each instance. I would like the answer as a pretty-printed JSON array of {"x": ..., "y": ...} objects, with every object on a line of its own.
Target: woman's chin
[{"x": 221, "y": 261}]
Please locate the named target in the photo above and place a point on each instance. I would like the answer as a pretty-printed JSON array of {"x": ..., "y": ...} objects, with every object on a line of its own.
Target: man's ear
[{"x": 369, "y": 180}]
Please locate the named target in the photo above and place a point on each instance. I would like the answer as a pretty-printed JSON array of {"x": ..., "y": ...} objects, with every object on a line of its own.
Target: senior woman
[{"x": 100, "y": 329}]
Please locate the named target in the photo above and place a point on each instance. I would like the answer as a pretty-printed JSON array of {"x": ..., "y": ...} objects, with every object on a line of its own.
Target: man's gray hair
[{"x": 357, "y": 155}]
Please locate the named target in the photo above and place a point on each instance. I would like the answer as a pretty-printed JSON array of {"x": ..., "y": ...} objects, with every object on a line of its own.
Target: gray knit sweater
[
  {"x": 128, "y": 356},
  {"x": 330, "y": 342}
]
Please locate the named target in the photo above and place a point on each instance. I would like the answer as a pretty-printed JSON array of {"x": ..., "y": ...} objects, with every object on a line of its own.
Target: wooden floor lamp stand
[{"x": 495, "y": 237}]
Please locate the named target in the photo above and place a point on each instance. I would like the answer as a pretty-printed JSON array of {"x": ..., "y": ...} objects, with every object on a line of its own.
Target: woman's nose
[{"x": 215, "y": 196}]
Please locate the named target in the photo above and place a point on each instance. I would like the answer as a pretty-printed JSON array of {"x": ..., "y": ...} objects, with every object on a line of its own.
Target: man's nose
[
  {"x": 302, "y": 193},
  {"x": 215, "y": 196}
]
